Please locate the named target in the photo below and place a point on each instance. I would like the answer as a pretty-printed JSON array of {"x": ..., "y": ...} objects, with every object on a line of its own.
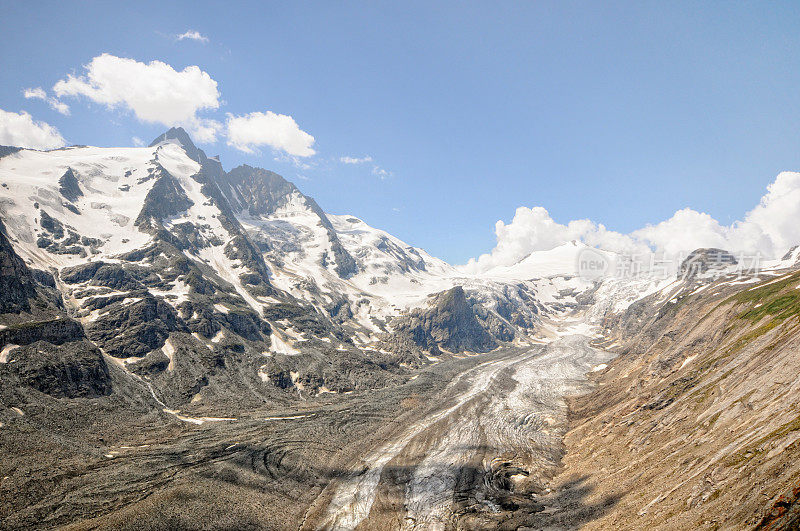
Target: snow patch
[
  {"x": 169, "y": 350},
  {"x": 687, "y": 361},
  {"x": 279, "y": 346},
  {"x": 6, "y": 351}
]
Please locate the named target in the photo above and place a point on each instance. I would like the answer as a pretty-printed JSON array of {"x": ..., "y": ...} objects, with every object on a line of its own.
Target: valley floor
[{"x": 469, "y": 442}]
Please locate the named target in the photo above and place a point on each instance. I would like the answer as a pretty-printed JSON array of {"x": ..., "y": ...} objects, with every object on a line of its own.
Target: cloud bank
[
  {"x": 770, "y": 228},
  {"x": 19, "y": 129},
  {"x": 155, "y": 92},
  {"x": 278, "y": 131}
]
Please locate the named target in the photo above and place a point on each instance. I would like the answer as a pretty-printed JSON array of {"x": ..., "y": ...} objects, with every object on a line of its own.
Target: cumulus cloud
[
  {"x": 155, "y": 92},
  {"x": 278, "y": 131},
  {"x": 355, "y": 160},
  {"x": 19, "y": 129},
  {"x": 774, "y": 221},
  {"x": 770, "y": 229},
  {"x": 38, "y": 93},
  {"x": 138, "y": 142},
  {"x": 192, "y": 35}
]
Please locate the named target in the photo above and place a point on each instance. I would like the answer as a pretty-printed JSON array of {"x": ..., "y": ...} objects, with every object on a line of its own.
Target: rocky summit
[{"x": 185, "y": 347}]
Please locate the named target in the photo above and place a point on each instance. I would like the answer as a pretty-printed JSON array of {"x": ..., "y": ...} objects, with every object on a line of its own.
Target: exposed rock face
[
  {"x": 69, "y": 186},
  {"x": 42, "y": 347},
  {"x": 73, "y": 369},
  {"x": 56, "y": 331},
  {"x": 181, "y": 137},
  {"x": 784, "y": 514},
  {"x": 262, "y": 192},
  {"x": 166, "y": 198},
  {"x": 701, "y": 261},
  {"x": 8, "y": 150},
  {"x": 134, "y": 329},
  {"x": 58, "y": 239},
  {"x": 789, "y": 253},
  {"x": 449, "y": 323},
  {"x": 17, "y": 285}
]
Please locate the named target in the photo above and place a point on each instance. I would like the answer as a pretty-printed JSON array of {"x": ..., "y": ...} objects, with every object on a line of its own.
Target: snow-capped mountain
[{"x": 183, "y": 274}]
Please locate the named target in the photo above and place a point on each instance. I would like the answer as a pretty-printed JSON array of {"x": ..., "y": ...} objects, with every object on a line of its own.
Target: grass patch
[
  {"x": 779, "y": 307},
  {"x": 774, "y": 299}
]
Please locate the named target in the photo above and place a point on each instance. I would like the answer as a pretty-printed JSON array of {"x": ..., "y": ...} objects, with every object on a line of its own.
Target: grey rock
[
  {"x": 449, "y": 322},
  {"x": 69, "y": 186},
  {"x": 701, "y": 261}
]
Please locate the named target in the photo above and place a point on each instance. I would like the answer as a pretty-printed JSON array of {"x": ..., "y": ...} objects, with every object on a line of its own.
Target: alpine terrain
[{"x": 185, "y": 347}]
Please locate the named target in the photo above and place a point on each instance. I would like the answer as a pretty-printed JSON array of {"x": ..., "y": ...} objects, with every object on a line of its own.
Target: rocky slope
[
  {"x": 694, "y": 424},
  {"x": 41, "y": 347}
]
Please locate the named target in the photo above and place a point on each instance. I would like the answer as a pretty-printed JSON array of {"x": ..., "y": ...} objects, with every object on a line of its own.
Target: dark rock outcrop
[
  {"x": 134, "y": 329},
  {"x": 69, "y": 370},
  {"x": 703, "y": 260},
  {"x": 17, "y": 284},
  {"x": 44, "y": 348},
  {"x": 8, "y": 150},
  {"x": 449, "y": 323},
  {"x": 69, "y": 186},
  {"x": 55, "y": 331},
  {"x": 166, "y": 198}
]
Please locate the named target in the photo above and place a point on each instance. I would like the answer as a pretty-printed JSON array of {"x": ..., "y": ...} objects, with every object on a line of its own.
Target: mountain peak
[
  {"x": 174, "y": 133},
  {"x": 181, "y": 137}
]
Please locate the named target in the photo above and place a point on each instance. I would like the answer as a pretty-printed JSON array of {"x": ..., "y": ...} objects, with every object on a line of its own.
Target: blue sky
[{"x": 618, "y": 112}]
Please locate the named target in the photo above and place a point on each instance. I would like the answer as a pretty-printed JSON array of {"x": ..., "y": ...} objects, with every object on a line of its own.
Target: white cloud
[
  {"x": 278, "y": 131},
  {"x": 138, "y": 142},
  {"x": 204, "y": 130},
  {"x": 770, "y": 229},
  {"x": 59, "y": 106},
  {"x": 192, "y": 35},
  {"x": 19, "y": 129},
  {"x": 38, "y": 93},
  {"x": 155, "y": 92},
  {"x": 377, "y": 171},
  {"x": 35, "y": 93},
  {"x": 776, "y": 218},
  {"x": 355, "y": 160}
]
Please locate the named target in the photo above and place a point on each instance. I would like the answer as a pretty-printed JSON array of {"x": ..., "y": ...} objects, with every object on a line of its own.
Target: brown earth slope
[{"x": 696, "y": 423}]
